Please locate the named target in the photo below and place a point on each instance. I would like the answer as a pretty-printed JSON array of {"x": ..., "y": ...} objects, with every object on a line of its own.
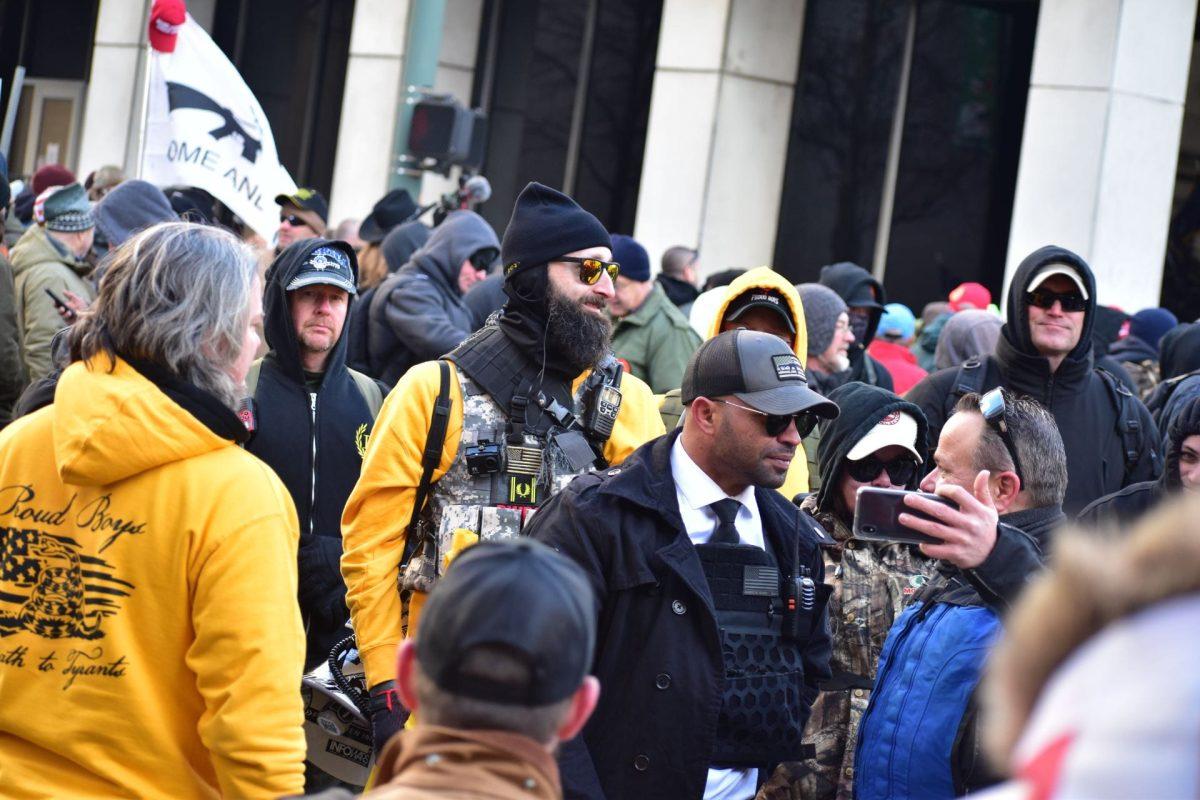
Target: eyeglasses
[
  {"x": 293, "y": 220},
  {"x": 778, "y": 423},
  {"x": 992, "y": 407},
  {"x": 481, "y": 260},
  {"x": 590, "y": 269},
  {"x": 1044, "y": 298},
  {"x": 900, "y": 470}
]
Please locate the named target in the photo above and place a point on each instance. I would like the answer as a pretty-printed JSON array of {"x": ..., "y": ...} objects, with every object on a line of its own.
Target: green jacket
[
  {"x": 12, "y": 369},
  {"x": 40, "y": 264},
  {"x": 656, "y": 341}
]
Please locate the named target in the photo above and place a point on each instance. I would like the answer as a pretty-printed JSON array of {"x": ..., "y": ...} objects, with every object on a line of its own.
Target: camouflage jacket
[
  {"x": 1144, "y": 374},
  {"x": 872, "y": 583}
]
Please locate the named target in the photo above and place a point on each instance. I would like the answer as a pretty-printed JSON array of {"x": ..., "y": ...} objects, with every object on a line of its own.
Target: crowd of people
[{"x": 423, "y": 511}]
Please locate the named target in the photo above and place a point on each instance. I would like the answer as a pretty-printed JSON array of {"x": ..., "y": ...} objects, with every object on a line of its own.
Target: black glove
[{"x": 388, "y": 715}]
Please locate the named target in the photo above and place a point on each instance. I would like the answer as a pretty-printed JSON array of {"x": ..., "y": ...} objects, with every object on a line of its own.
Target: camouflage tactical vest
[{"x": 493, "y": 504}]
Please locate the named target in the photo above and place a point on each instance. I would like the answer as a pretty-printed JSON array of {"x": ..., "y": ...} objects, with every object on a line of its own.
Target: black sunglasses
[
  {"x": 590, "y": 269},
  {"x": 778, "y": 423},
  {"x": 293, "y": 220},
  {"x": 482, "y": 260},
  {"x": 901, "y": 470},
  {"x": 1044, "y": 298},
  {"x": 992, "y": 407}
]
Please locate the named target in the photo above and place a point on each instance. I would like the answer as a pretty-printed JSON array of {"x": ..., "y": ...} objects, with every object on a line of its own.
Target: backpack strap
[
  {"x": 435, "y": 441},
  {"x": 369, "y": 388},
  {"x": 1129, "y": 423},
  {"x": 968, "y": 380}
]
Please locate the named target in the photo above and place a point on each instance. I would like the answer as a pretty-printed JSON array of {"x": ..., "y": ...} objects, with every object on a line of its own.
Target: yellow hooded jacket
[
  {"x": 379, "y": 508},
  {"x": 769, "y": 279},
  {"x": 150, "y": 639}
]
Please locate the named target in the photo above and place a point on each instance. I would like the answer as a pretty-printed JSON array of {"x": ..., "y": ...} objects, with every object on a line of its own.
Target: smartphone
[
  {"x": 877, "y": 515},
  {"x": 61, "y": 305}
]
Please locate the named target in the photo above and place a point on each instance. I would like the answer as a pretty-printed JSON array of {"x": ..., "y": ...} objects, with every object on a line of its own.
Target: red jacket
[{"x": 899, "y": 361}]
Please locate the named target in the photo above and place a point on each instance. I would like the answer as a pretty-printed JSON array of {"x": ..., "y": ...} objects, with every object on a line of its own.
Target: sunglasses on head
[
  {"x": 1044, "y": 298},
  {"x": 590, "y": 269},
  {"x": 292, "y": 219},
  {"x": 778, "y": 423},
  {"x": 901, "y": 470},
  {"x": 992, "y": 407}
]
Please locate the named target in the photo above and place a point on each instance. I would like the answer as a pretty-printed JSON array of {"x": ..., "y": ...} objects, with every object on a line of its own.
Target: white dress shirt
[{"x": 695, "y": 492}]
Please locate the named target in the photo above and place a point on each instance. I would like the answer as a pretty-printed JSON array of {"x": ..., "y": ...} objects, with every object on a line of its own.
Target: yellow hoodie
[
  {"x": 150, "y": 640},
  {"x": 380, "y": 506},
  {"x": 767, "y": 278}
]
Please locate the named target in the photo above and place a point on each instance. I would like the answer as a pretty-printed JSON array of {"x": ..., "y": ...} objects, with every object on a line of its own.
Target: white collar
[{"x": 696, "y": 487}]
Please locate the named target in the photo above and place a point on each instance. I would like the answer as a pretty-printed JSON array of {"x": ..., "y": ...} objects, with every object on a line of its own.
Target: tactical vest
[
  {"x": 765, "y": 622},
  {"x": 492, "y": 487}
]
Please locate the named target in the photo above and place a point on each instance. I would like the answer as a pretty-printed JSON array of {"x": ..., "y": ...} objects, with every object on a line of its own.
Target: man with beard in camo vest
[{"x": 522, "y": 406}]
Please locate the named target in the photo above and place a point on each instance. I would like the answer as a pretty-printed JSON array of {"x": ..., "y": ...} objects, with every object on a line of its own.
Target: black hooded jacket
[
  {"x": 314, "y": 442},
  {"x": 418, "y": 314},
  {"x": 1125, "y": 506},
  {"x": 398, "y": 247},
  {"x": 860, "y": 408},
  {"x": 858, "y": 287},
  {"x": 1078, "y": 397}
]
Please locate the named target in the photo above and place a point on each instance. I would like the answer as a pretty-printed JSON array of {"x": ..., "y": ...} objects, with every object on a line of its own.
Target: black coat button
[
  {"x": 641, "y": 762},
  {"x": 662, "y": 681},
  {"x": 678, "y": 607}
]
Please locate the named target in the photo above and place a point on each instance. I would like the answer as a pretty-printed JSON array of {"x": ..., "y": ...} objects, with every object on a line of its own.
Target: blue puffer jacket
[{"x": 918, "y": 736}]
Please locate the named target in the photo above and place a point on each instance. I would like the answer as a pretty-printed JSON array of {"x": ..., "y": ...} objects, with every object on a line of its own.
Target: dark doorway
[
  {"x": 567, "y": 91},
  {"x": 1181, "y": 274},
  {"x": 959, "y": 142},
  {"x": 292, "y": 54}
]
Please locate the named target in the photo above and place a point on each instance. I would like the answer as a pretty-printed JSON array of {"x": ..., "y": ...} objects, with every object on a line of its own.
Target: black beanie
[{"x": 546, "y": 224}]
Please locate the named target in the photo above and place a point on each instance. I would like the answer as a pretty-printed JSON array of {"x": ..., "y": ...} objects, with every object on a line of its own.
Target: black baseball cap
[
  {"x": 757, "y": 368},
  {"x": 308, "y": 200},
  {"x": 328, "y": 264},
  {"x": 392, "y": 209},
  {"x": 522, "y": 597},
  {"x": 760, "y": 298}
]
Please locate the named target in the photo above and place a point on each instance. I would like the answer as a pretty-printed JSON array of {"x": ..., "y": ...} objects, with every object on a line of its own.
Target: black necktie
[{"x": 725, "y": 532}]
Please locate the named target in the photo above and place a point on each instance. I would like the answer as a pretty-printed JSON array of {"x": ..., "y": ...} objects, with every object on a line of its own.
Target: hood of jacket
[
  {"x": 460, "y": 235},
  {"x": 968, "y": 333},
  {"x": 113, "y": 421},
  {"x": 1016, "y": 326},
  {"x": 36, "y": 247},
  {"x": 861, "y": 406},
  {"x": 854, "y": 284},
  {"x": 1184, "y": 424},
  {"x": 1179, "y": 351},
  {"x": 277, "y": 313},
  {"x": 1132, "y": 348},
  {"x": 765, "y": 278},
  {"x": 402, "y": 242}
]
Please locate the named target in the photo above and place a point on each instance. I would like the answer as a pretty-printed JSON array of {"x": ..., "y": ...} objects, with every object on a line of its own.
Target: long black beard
[{"x": 581, "y": 337}]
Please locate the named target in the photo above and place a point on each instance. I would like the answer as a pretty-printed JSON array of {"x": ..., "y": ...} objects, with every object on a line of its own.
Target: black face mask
[{"x": 858, "y": 326}]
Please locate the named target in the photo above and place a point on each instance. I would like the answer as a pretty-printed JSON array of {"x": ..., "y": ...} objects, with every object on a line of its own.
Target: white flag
[{"x": 204, "y": 128}]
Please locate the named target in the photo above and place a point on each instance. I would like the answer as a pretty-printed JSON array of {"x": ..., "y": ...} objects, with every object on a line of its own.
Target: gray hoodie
[{"x": 418, "y": 314}]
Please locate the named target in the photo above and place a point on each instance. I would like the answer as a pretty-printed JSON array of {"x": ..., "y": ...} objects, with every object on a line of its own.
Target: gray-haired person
[
  {"x": 148, "y": 585},
  {"x": 1001, "y": 460}
]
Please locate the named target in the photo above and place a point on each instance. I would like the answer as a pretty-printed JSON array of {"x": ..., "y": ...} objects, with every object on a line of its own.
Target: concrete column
[
  {"x": 111, "y": 108},
  {"x": 720, "y": 115},
  {"x": 360, "y": 166},
  {"x": 1102, "y": 127},
  {"x": 373, "y": 91}
]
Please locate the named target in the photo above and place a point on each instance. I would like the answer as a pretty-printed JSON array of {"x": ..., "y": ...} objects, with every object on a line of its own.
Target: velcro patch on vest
[
  {"x": 523, "y": 490},
  {"x": 523, "y": 460},
  {"x": 760, "y": 580},
  {"x": 787, "y": 367}
]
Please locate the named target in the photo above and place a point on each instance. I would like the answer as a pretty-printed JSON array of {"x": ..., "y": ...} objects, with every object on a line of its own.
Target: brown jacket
[{"x": 432, "y": 763}]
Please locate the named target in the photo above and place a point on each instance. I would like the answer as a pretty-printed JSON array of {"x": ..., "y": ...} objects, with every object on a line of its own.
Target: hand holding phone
[
  {"x": 877, "y": 515},
  {"x": 65, "y": 311}
]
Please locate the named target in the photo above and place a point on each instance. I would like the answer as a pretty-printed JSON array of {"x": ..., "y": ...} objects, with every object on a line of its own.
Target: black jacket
[
  {"x": 658, "y": 650},
  {"x": 681, "y": 293},
  {"x": 292, "y": 425},
  {"x": 857, "y": 286},
  {"x": 1125, "y": 506},
  {"x": 1075, "y": 394},
  {"x": 418, "y": 314},
  {"x": 398, "y": 247}
]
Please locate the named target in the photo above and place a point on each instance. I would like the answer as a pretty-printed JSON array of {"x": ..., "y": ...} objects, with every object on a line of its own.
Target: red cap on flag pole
[{"x": 166, "y": 17}]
